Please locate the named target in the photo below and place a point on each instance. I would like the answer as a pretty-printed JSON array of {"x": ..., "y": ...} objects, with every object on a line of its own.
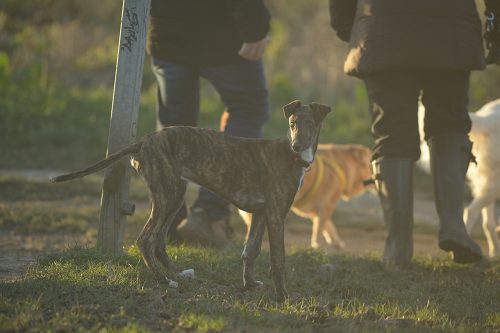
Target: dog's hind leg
[
  {"x": 319, "y": 222},
  {"x": 489, "y": 225},
  {"x": 171, "y": 205},
  {"x": 252, "y": 250},
  {"x": 247, "y": 218},
  {"x": 473, "y": 211},
  {"x": 275, "y": 230},
  {"x": 167, "y": 195},
  {"x": 146, "y": 245},
  {"x": 332, "y": 236}
]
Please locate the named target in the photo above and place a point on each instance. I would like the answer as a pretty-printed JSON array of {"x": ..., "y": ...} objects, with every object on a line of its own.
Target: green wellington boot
[
  {"x": 450, "y": 156},
  {"x": 394, "y": 183},
  {"x": 198, "y": 229}
]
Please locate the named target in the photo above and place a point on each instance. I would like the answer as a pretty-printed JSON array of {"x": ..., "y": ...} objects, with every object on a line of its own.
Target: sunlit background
[
  {"x": 57, "y": 66},
  {"x": 57, "y": 63}
]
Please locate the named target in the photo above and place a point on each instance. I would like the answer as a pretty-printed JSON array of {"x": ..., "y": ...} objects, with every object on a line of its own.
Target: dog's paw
[
  {"x": 326, "y": 269},
  {"x": 253, "y": 285},
  {"x": 172, "y": 284},
  {"x": 187, "y": 273},
  {"x": 340, "y": 245},
  {"x": 258, "y": 284}
]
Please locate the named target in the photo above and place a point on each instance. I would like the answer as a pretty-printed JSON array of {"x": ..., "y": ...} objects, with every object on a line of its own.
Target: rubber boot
[
  {"x": 450, "y": 156},
  {"x": 394, "y": 183},
  {"x": 198, "y": 228}
]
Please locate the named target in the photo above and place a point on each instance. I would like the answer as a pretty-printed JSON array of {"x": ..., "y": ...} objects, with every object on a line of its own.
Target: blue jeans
[{"x": 242, "y": 88}]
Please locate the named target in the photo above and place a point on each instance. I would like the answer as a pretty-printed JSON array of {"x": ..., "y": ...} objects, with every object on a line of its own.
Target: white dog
[{"x": 484, "y": 177}]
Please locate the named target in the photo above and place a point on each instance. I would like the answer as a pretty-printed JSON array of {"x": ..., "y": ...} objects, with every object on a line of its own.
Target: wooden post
[{"x": 115, "y": 203}]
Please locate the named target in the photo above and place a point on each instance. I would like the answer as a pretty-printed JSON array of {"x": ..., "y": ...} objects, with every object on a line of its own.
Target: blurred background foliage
[{"x": 57, "y": 63}]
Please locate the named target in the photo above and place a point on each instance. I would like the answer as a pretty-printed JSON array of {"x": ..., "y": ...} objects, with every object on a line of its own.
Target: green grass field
[
  {"x": 76, "y": 289},
  {"x": 81, "y": 290}
]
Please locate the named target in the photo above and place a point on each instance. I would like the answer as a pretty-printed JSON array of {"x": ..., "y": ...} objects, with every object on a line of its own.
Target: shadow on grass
[
  {"x": 18, "y": 189},
  {"x": 328, "y": 293}
]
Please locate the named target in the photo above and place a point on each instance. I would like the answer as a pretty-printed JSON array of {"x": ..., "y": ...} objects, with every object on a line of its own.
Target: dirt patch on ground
[
  {"x": 365, "y": 240},
  {"x": 17, "y": 252},
  {"x": 359, "y": 221}
]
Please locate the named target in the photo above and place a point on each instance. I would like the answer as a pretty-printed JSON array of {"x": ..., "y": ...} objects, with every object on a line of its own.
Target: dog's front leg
[
  {"x": 315, "y": 232},
  {"x": 276, "y": 232},
  {"x": 252, "y": 250},
  {"x": 473, "y": 211},
  {"x": 489, "y": 225}
]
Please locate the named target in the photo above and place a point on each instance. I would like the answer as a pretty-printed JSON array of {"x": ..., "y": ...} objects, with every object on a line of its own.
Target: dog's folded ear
[
  {"x": 290, "y": 108},
  {"x": 319, "y": 111}
]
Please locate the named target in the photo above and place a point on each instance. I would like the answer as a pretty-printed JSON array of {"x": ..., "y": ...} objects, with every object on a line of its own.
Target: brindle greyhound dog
[{"x": 256, "y": 175}]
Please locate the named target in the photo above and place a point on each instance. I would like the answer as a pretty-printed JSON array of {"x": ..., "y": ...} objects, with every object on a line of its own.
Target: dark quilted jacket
[
  {"x": 204, "y": 32},
  {"x": 392, "y": 35}
]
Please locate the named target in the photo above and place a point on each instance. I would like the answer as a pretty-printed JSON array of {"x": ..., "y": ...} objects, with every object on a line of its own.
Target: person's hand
[{"x": 255, "y": 50}]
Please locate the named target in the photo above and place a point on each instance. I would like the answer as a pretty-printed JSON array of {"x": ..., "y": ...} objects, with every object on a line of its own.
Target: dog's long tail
[{"x": 99, "y": 165}]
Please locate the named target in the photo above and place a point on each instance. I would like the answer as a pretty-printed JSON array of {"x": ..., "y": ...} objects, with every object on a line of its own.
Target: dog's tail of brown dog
[{"x": 99, "y": 165}]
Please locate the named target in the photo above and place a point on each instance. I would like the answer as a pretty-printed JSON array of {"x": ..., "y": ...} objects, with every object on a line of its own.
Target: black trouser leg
[
  {"x": 447, "y": 124},
  {"x": 393, "y": 107}
]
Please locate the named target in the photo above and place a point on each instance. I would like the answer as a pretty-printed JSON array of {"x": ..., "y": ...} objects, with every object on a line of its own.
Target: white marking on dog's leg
[
  {"x": 187, "y": 273},
  {"x": 172, "y": 284},
  {"x": 258, "y": 284}
]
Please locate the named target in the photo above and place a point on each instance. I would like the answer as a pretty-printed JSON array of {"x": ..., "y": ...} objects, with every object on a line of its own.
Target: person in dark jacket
[
  {"x": 222, "y": 41},
  {"x": 404, "y": 50}
]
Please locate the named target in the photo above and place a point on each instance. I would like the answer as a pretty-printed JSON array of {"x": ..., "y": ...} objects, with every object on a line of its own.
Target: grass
[
  {"x": 44, "y": 208},
  {"x": 60, "y": 124},
  {"x": 68, "y": 128},
  {"x": 15, "y": 189},
  {"x": 83, "y": 290},
  {"x": 79, "y": 289}
]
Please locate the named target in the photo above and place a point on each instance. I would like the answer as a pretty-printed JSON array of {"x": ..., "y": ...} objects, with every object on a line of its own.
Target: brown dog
[
  {"x": 338, "y": 171},
  {"x": 257, "y": 175}
]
